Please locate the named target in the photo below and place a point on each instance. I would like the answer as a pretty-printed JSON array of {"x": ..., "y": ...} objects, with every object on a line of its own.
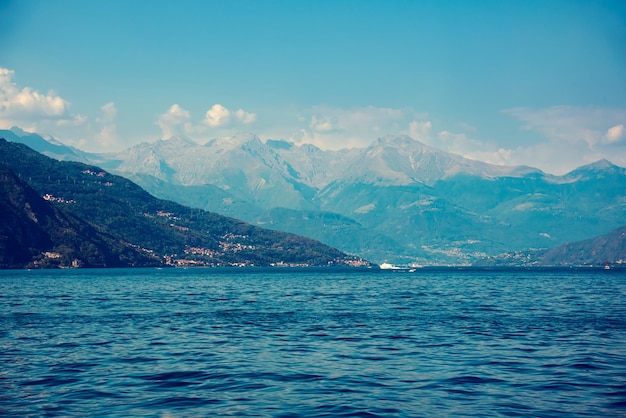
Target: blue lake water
[{"x": 312, "y": 343}]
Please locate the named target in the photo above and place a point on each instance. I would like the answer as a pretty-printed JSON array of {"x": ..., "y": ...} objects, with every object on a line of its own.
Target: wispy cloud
[
  {"x": 571, "y": 124},
  {"x": 573, "y": 136},
  {"x": 107, "y": 127},
  {"x": 461, "y": 143},
  {"x": 564, "y": 137},
  {"x": 245, "y": 117},
  {"x": 334, "y": 128}
]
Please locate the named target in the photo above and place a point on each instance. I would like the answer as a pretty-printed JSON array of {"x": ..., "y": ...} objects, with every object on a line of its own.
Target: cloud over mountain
[
  {"x": 174, "y": 121},
  {"x": 49, "y": 113},
  {"x": 335, "y": 128},
  {"x": 589, "y": 133},
  {"x": 219, "y": 115},
  {"x": 178, "y": 121}
]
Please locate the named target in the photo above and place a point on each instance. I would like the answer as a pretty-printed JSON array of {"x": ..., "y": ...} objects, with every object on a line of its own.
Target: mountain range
[
  {"x": 69, "y": 214},
  {"x": 397, "y": 200}
]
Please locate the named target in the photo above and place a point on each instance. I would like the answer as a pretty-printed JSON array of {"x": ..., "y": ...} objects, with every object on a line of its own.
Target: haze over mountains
[{"x": 396, "y": 200}]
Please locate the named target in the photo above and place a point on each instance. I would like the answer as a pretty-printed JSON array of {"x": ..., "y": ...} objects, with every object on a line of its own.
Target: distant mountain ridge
[
  {"x": 396, "y": 200},
  {"x": 66, "y": 214},
  {"x": 392, "y": 160},
  {"x": 607, "y": 248}
]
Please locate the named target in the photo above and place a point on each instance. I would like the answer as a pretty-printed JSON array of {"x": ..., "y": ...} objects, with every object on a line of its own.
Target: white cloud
[
  {"x": 220, "y": 116},
  {"x": 74, "y": 120},
  {"x": 107, "y": 135},
  {"x": 324, "y": 123},
  {"x": 175, "y": 121},
  {"x": 420, "y": 130},
  {"x": 97, "y": 134},
  {"x": 462, "y": 144},
  {"x": 49, "y": 114},
  {"x": 615, "y": 134},
  {"x": 217, "y": 115},
  {"x": 499, "y": 156},
  {"x": 30, "y": 109},
  {"x": 245, "y": 117},
  {"x": 109, "y": 112}
]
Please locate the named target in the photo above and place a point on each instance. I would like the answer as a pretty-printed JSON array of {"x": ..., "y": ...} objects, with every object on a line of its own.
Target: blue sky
[{"x": 541, "y": 83}]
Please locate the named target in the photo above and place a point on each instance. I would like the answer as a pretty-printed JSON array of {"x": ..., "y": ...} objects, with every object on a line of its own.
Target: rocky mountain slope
[{"x": 124, "y": 225}]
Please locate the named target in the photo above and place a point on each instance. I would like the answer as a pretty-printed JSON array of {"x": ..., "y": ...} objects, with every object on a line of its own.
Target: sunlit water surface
[{"x": 312, "y": 343}]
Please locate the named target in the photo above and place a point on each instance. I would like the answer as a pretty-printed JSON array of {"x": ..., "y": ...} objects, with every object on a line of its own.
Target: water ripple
[{"x": 312, "y": 344}]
